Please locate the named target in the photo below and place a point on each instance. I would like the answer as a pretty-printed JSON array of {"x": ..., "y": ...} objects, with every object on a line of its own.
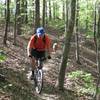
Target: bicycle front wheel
[{"x": 39, "y": 78}]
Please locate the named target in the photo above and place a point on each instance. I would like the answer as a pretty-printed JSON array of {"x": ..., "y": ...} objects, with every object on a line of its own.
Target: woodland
[{"x": 73, "y": 72}]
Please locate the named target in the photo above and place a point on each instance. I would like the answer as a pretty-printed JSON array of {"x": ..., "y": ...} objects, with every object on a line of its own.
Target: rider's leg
[
  {"x": 33, "y": 63},
  {"x": 33, "y": 60}
]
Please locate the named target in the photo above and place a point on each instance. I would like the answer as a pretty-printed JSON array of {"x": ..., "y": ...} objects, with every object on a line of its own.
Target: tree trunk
[
  {"x": 18, "y": 18},
  {"x": 97, "y": 95},
  {"x": 49, "y": 9},
  {"x": 22, "y": 12},
  {"x": 67, "y": 46},
  {"x": 15, "y": 24},
  {"x": 66, "y": 17},
  {"x": 9, "y": 17},
  {"x": 95, "y": 27},
  {"x": 15, "y": 31},
  {"x": 43, "y": 17},
  {"x": 63, "y": 12},
  {"x": 5, "y": 9},
  {"x": 26, "y": 17},
  {"x": 33, "y": 12},
  {"x": 37, "y": 14},
  {"x": 54, "y": 12},
  {"x": 77, "y": 31},
  {"x": 46, "y": 16},
  {"x": 7, "y": 22},
  {"x": 86, "y": 29}
]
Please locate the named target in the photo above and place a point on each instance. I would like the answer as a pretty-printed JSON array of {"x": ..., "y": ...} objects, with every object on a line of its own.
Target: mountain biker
[{"x": 38, "y": 45}]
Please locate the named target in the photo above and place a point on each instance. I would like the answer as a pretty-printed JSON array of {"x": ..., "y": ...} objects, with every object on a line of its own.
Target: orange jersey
[{"x": 39, "y": 44}]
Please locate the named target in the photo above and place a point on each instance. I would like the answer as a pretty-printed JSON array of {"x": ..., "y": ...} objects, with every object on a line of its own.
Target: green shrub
[
  {"x": 85, "y": 79},
  {"x": 26, "y": 29},
  {"x": 2, "y": 56}
]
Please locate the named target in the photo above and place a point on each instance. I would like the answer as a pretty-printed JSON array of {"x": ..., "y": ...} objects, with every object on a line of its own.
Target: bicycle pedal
[
  {"x": 40, "y": 67},
  {"x": 32, "y": 77}
]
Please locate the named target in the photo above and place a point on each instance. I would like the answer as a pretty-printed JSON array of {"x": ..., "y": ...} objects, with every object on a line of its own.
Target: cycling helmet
[{"x": 40, "y": 31}]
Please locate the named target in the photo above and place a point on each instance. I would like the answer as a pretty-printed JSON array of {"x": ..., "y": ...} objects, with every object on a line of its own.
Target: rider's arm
[
  {"x": 30, "y": 46},
  {"x": 48, "y": 45},
  {"x": 29, "y": 51}
]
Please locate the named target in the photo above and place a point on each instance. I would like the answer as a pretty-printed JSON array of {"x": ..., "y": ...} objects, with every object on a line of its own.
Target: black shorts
[{"x": 37, "y": 54}]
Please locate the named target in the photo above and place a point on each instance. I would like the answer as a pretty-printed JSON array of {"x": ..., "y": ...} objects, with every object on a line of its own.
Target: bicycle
[{"x": 38, "y": 75}]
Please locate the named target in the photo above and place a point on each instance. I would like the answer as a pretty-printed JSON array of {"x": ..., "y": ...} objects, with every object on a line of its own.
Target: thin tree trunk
[
  {"x": 67, "y": 46},
  {"x": 63, "y": 12},
  {"x": 15, "y": 24},
  {"x": 15, "y": 32},
  {"x": 37, "y": 14},
  {"x": 26, "y": 17},
  {"x": 54, "y": 13},
  {"x": 49, "y": 9},
  {"x": 7, "y": 22},
  {"x": 95, "y": 28},
  {"x": 22, "y": 13},
  {"x": 97, "y": 95},
  {"x": 43, "y": 17},
  {"x": 18, "y": 18},
  {"x": 9, "y": 17},
  {"x": 5, "y": 9},
  {"x": 56, "y": 10},
  {"x": 76, "y": 35},
  {"x": 86, "y": 17},
  {"x": 33, "y": 12},
  {"x": 46, "y": 16},
  {"x": 66, "y": 17}
]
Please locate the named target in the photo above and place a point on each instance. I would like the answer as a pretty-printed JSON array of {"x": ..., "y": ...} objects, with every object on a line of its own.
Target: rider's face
[{"x": 41, "y": 35}]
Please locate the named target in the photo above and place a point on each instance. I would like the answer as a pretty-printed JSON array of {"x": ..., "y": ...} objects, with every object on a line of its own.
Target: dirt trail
[
  {"x": 16, "y": 85},
  {"x": 16, "y": 67}
]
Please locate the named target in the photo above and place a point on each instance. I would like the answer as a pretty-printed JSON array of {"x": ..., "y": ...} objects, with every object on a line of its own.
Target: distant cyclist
[{"x": 38, "y": 45}]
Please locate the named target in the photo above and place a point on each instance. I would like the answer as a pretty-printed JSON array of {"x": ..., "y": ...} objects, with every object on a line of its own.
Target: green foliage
[
  {"x": 2, "y": 56},
  {"x": 58, "y": 24},
  {"x": 85, "y": 79},
  {"x": 74, "y": 75},
  {"x": 2, "y": 20},
  {"x": 89, "y": 34},
  {"x": 2, "y": 8},
  {"x": 86, "y": 16},
  {"x": 99, "y": 90},
  {"x": 26, "y": 29}
]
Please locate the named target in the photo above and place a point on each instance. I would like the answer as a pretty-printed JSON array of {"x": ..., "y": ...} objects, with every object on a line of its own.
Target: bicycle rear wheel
[{"x": 39, "y": 80}]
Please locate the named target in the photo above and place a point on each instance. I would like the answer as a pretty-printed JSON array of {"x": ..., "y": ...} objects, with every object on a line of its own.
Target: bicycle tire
[{"x": 39, "y": 81}]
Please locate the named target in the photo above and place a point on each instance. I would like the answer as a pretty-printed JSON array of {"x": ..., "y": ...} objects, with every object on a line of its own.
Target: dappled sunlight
[{"x": 72, "y": 72}]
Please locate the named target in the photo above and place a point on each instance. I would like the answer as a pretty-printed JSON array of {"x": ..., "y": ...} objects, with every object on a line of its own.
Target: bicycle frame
[{"x": 38, "y": 74}]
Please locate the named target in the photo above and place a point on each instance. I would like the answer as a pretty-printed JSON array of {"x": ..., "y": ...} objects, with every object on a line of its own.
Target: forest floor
[{"x": 15, "y": 85}]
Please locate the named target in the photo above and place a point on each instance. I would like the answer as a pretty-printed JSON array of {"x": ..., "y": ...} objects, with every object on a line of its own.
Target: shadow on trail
[{"x": 50, "y": 92}]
